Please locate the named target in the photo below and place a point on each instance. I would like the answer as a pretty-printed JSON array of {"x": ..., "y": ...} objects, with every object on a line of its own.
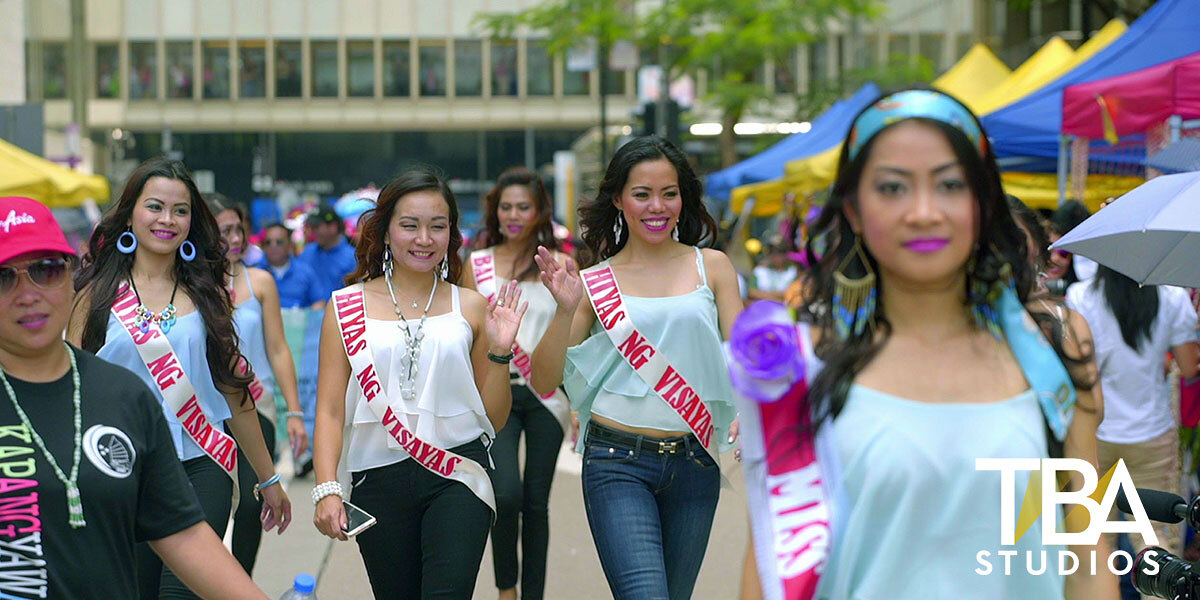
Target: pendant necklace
[
  {"x": 410, "y": 360},
  {"x": 74, "y": 501},
  {"x": 144, "y": 316}
]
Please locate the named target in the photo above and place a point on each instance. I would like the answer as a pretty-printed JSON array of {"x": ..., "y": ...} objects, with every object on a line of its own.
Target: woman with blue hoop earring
[{"x": 161, "y": 238}]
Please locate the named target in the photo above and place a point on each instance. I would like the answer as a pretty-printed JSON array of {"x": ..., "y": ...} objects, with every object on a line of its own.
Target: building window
[
  {"x": 432, "y": 65},
  {"x": 179, "y": 69},
  {"x": 360, "y": 69},
  {"x": 504, "y": 68},
  {"x": 785, "y": 72},
  {"x": 539, "y": 69},
  {"x": 252, "y": 69},
  {"x": 818, "y": 62},
  {"x": 214, "y": 60},
  {"x": 143, "y": 66},
  {"x": 576, "y": 83},
  {"x": 287, "y": 69},
  {"x": 396, "y": 65},
  {"x": 54, "y": 70},
  {"x": 108, "y": 66},
  {"x": 324, "y": 69},
  {"x": 468, "y": 68},
  {"x": 614, "y": 82}
]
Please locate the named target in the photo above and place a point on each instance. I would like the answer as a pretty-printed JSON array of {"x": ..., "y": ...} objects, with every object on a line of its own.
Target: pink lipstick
[{"x": 926, "y": 245}]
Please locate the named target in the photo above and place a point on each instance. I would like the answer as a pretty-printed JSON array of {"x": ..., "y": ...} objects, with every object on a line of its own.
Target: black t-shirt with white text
[{"x": 132, "y": 484}]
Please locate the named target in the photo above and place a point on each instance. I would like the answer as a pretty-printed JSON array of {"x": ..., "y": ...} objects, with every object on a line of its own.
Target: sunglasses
[
  {"x": 46, "y": 273},
  {"x": 1059, "y": 252}
]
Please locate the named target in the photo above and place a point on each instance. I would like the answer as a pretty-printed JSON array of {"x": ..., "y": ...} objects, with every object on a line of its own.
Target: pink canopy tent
[{"x": 1136, "y": 101}]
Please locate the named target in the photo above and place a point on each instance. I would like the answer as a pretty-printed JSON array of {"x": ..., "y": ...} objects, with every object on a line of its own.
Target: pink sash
[
  {"x": 351, "y": 319},
  {"x": 791, "y": 483},
  {"x": 483, "y": 265},
  {"x": 650, "y": 364},
  {"x": 176, "y": 389}
]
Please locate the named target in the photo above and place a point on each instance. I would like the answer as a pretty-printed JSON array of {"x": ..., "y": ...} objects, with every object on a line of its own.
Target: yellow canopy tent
[
  {"x": 26, "y": 174},
  {"x": 1040, "y": 190},
  {"x": 1047, "y": 64},
  {"x": 973, "y": 75}
]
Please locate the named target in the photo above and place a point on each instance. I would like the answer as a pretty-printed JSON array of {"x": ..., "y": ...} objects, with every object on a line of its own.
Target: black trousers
[
  {"x": 247, "y": 526},
  {"x": 430, "y": 532},
  {"x": 215, "y": 491},
  {"x": 524, "y": 502}
]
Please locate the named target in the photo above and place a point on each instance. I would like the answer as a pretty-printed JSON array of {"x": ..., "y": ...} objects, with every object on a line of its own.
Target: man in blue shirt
[
  {"x": 297, "y": 283},
  {"x": 330, "y": 256}
]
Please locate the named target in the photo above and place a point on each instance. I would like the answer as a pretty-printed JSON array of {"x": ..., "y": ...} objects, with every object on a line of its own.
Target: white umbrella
[{"x": 1151, "y": 234}]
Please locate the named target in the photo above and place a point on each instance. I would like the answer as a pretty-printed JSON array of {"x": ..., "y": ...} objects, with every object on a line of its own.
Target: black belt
[{"x": 674, "y": 445}]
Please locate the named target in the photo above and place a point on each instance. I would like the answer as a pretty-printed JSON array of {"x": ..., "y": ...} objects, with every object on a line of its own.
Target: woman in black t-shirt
[{"x": 88, "y": 468}]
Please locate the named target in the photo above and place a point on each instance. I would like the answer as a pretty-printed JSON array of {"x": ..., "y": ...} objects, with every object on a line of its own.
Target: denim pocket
[
  {"x": 601, "y": 452},
  {"x": 702, "y": 458}
]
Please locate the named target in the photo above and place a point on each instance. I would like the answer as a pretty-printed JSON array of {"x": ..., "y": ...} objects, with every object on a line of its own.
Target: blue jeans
[{"x": 650, "y": 515}]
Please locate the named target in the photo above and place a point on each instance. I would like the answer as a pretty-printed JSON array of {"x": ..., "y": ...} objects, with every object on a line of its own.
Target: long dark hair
[
  {"x": 1135, "y": 306},
  {"x": 203, "y": 279},
  {"x": 596, "y": 216},
  {"x": 219, "y": 203},
  {"x": 1029, "y": 220},
  {"x": 543, "y": 229},
  {"x": 373, "y": 224},
  {"x": 999, "y": 243}
]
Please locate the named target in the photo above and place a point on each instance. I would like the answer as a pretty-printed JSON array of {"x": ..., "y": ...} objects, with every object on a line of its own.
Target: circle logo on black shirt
[{"x": 110, "y": 450}]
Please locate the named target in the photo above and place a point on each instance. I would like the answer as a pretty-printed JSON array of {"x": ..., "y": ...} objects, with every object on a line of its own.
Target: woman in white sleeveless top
[
  {"x": 517, "y": 222},
  {"x": 431, "y": 529}
]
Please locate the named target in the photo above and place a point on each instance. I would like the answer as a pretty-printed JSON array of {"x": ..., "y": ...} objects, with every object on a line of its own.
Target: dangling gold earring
[{"x": 854, "y": 298}]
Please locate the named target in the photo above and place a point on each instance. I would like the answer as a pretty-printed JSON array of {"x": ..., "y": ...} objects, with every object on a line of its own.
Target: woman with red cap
[{"x": 94, "y": 470}]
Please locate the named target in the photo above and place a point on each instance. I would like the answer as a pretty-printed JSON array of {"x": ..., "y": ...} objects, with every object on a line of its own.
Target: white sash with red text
[
  {"x": 173, "y": 383},
  {"x": 483, "y": 264},
  {"x": 651, "y": 365},
  {"x": 351, "y": 320},
  {"x": 793, "y": 487},
  {"x": 263, "y": 401}
]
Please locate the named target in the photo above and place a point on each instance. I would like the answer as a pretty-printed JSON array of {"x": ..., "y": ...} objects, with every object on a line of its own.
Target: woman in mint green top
[
  {"x": 922, "y": 366},
  {"x": 649, "y": 486}
]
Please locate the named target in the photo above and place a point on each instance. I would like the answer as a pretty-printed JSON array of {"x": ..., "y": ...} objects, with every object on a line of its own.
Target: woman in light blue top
[
  {"x": 161, "y": 238},
  {"x": 649, "y": 486},
  {"x": 922, "y": 371},
  {"x": 259, "y": 326}
]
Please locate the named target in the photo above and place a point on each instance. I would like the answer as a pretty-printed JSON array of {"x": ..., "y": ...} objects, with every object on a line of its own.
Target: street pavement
[{"x": 574, "y": 571}]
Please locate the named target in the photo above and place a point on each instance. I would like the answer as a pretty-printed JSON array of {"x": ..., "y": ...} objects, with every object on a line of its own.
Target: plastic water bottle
[{"x": 303, "y": 588}]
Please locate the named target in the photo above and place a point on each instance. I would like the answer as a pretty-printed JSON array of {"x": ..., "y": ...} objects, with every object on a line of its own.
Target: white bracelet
[{"x": 328, "y": 488}]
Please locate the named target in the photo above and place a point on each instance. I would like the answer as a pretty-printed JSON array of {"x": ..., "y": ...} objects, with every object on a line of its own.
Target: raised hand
[
  {"x": 505, "y": 312},
  {"x": 564, "y": 283}
]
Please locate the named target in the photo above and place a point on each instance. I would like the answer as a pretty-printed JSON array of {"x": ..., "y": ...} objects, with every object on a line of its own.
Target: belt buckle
[{"x": 667, "y": 447}]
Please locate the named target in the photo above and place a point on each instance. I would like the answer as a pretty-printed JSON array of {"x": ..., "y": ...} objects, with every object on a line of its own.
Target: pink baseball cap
[{"x": 26, "y": 225}]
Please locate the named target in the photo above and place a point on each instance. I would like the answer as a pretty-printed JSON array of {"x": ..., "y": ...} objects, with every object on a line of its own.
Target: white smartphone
[{"x": 357, "y": 519}]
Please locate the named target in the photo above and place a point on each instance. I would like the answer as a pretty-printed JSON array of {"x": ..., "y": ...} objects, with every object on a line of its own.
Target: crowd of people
[{"x": 430, "y": 359}]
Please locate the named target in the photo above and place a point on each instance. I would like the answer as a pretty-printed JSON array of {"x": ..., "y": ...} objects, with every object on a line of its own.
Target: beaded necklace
[
  {"x": 74, "y": 501},
  {"x": 408, "y": 390},
  {"x": 145, "y": 316}
]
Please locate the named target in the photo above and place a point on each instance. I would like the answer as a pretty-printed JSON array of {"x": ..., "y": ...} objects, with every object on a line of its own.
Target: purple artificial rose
[{"x": 764, "y": 352}]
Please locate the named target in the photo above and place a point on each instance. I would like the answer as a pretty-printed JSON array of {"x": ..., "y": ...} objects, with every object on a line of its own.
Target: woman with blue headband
[{"x": 924, "y": 351}]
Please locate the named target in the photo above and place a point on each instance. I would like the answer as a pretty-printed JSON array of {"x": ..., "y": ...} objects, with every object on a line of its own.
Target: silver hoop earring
[
  {"x": 187, "y": 251},
  {"x": 618, "y": 226},
  {"x": 127, "y": 242}
]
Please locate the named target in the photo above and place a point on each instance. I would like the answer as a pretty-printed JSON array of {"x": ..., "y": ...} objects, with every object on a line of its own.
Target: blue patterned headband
[{"x": 926, "y": 104}]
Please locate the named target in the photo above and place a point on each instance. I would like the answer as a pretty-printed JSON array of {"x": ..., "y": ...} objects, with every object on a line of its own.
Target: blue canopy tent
[
  {"x": 827, "y": 131},
  {"x": 1031, "y": 126}
]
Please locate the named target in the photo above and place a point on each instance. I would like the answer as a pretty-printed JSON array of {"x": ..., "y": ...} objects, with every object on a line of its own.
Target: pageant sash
[
  {"x": 263, "y": 401},
  {"x": 483, "y": 264},
  {"x": 172, "y": 382},
  {"x": 351, "y": 319},
  {"x": 651, "y": 365},
  {"x": 793, "y": 487}
]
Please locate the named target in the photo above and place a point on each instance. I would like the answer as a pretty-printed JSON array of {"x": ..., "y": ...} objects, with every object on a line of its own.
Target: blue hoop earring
[
  {"x": 187, "y": 251},
  {"x": 127, "y": 243}
]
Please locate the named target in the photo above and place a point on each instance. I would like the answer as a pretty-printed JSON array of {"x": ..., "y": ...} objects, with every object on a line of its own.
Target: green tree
[{"x": 729, "y": 39}]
